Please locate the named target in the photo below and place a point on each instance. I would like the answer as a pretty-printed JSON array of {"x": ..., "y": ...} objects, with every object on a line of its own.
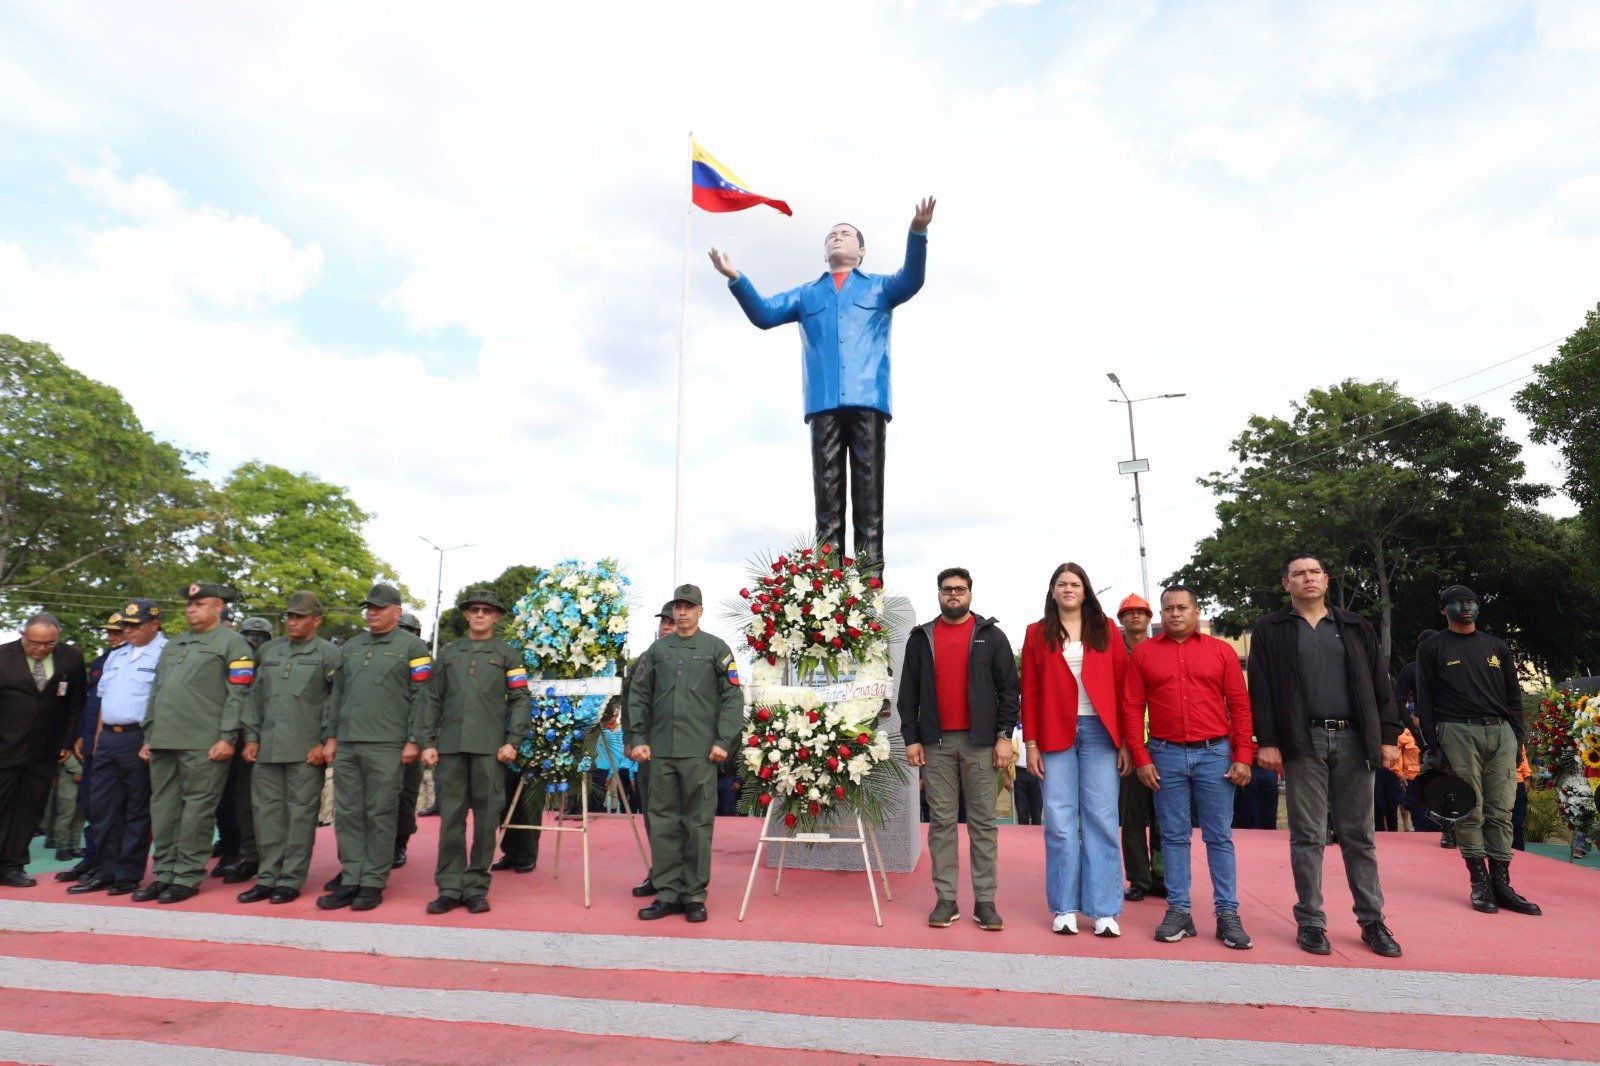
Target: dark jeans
[
  {"x": 1334, "y": 780},
  {"x": 1421, "y": 820},
  {"x": 1386, "y": 791},
  {"x": 1255, "y": 806},
  {"x": 853, "y": 435},
  {"x": 1027, "y": 801}
]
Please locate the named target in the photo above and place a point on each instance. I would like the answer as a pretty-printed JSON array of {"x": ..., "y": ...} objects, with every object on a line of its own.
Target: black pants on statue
[{"x": 853, "y": 436}]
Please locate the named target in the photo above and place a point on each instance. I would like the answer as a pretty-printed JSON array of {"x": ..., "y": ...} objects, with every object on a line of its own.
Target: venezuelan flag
[
  {"x": 716, "y": 188},
  {"x": 241, "y": 672},
  {"x": 517, "y": 678},
  {"x": 731, "y": 670},
  {"x": 421, "y": 669}
]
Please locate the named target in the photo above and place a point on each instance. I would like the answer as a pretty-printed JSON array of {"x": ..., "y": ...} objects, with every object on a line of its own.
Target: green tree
[
  {"x": 512, "y": 584},
  {"x": 1563, "y": 404},
  {"x": 93, "y": 509},
  {"x": 1396, "y": 498},
  {"x": 279, "y": 531}
]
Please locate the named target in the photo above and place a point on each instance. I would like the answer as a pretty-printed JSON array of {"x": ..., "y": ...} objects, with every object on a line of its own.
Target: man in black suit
[{"x": 42, "y": 689}]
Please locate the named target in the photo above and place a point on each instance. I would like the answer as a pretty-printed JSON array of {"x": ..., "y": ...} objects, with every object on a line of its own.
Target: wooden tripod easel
[
  {"x": 613, "y": 784},
  {"x": 864, "y": 835}
]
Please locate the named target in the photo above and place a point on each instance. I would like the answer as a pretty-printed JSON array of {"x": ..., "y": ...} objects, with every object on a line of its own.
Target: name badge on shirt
[{"x": 61, "y": 688}]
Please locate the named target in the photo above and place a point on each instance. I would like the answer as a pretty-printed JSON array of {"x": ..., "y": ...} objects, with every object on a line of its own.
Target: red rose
[
  {"x": 849, "y": 561},
  {"x": 839, "y": 618},
  {"x": 836, "y": 574},
  {"x": 744, "y": 593},
  {"x": 793, "y": 570},
  {"x": 817, "y": 585},
  {"x": 816, "y": 638},
  {"x": 755, "y": 608},
  {"x": 765, "y": 772},
  {"x": 789, "y": 820},
  {"x": 777, "y": 568},
  {"x": 805, "y": 609},
  {"x": 766, "y": 799},
  {"x": 844, "y": 751},
  {"x": 772, "y": 660},
  {"x": 783, "y": 560},
  {"x": 811, "y": 716},
  {"x": 833, "y": 764},
  {"x": 750, "y": 639},
  {"x": 759, "y": 645},
  {"x": 863, "y": 740},
  {"x": 852, "y": 601},
  {"x": 838, "y": 790},
  {"x": 853, "y": 632},
  {"x": 836, "y": 642},
  {"x": 874, "y": 583},
  {"x": 763, "y": 714},
  {"x": 771, "y": 738},
  {"x": 815, "y": 810},
  {"x": 828, "y": 549},
  {"x": 874, "y": 626},
  {"x": 802, "y": 754},
  {"x": 806, "y": 552}
]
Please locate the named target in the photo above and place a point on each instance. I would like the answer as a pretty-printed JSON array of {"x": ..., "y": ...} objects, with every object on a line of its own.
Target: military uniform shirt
[
  {"x": 685, "y": 697},
  {"x": 384, "y": 695},
  {"x": 292, "y": 702},
  {"x": 481, "y": 691},
  {"x": 126, "y": 680},
  {"x": 202, "y": 684}
]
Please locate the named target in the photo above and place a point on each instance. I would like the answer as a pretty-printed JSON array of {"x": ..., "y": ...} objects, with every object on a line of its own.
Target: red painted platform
[{"x": 806, "y": 977}]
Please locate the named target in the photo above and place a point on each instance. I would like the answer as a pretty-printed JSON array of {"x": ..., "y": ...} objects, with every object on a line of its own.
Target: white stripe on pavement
[
  {"x": 90, "y": 1051},
  {"x": 666, "y": 1021},
  {"x": 1381, "y": 991}
]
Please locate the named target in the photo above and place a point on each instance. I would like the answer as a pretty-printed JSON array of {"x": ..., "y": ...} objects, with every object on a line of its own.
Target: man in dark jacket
[
  {"x": 1325, "y": 717},
  {"x": 959, "y": 677},
  {"x": 42, "y": 689}
]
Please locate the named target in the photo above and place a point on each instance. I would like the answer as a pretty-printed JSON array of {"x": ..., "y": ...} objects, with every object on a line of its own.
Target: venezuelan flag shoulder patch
[
  {"x": 731, "y": 668},
  {"x": 516, "y": 678},
  {"x": 241, "y": 672},
  {"x": 421, "y": 669}
]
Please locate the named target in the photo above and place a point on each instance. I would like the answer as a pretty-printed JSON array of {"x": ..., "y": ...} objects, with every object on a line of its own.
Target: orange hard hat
[{"x": 1134, "y": 602}]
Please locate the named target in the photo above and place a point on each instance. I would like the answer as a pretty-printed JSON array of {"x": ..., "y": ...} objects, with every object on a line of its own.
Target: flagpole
[{"x": 683, "y": 344}]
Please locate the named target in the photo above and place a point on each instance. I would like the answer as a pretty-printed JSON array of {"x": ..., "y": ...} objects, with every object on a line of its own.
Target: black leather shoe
[
  {"x": 660, "y": 909},
  {"x": 1506, "y": 896},
  {"x": 1314, "y": 939},
  {"x": 502, "y": 863},
  {"x": 122, "y": 888},
  {"x": 255, "y": 894},
  {"x": 284, "y": 894},
  {"x": 695, "y": 912},
  {"x": 429, "y": 812},
  {"x": 335, "y": 883},
  {"x": 342, "y": 896},
  {"x": 223, "y": 868},
  {"x": 81, "y": 872},
  {"x": 444, "y": 905},
  {"x": 1134, "y": 893},
  {"x": 242, "y": 871},
  {"x": 644, "y": 888},
  {"x": 97, "y": 883},
  {"x": 526, "y": 867},
  {"x": 367, "y": 899},
  {"x": 1380, "y": 940},
  {"x": 177, "y": 893},
  {"x": 149, "y": 892},
  {"x": 478, "y": 905},
  {"x": 17, "y": 879},
  {"x": 68, "y": 853},
  {"x": 399, "y": 859}
]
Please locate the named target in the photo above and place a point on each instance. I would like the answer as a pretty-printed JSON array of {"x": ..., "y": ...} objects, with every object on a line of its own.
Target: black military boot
[
  {"x": 1504, "y": 894},
  {"x": 1482, "y": 894}
]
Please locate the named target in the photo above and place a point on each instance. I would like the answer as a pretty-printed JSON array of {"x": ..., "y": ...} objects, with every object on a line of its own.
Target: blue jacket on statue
[{"x": 844, "y": 333}]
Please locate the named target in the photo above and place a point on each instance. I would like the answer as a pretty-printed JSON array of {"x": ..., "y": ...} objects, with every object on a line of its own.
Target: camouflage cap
[
  {"x": 409, "y": 623},
  {"x": 255, "y": 624},
  {"x": 303, "y": 603},
  {"x": 483, "y": 596}
]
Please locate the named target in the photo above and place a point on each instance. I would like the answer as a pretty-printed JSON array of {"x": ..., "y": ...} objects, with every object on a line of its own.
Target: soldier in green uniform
[
  {"x": 405, "y": 824},
  {"x": 666, "y": 623},
  {"x": 481, "y": 689},
  {"x": 384, "y": 708},
  {"x": 685, "y": 710},
  {"x": 290, "y": 712},
  {"x": 236, "y": 826},
  {"x": 201, "y": 686}
]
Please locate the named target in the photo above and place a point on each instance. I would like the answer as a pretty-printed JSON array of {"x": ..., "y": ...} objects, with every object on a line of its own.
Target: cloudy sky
[{"x": 439, "y": 259}]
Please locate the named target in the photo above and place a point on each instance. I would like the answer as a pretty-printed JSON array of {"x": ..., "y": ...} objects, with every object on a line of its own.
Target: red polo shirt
[{"x": 1195, "y": 691}]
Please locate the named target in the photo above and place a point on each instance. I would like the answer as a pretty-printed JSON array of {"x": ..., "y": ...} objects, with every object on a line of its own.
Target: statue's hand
[
  {"x": 724, "y": 265},
  {"x": 924, "y": 214}
]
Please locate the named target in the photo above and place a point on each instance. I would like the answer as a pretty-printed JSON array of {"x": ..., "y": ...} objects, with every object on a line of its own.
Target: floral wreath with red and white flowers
[
  {"x": 815, "y": 607},
  {"x": 806, "y": 758}
]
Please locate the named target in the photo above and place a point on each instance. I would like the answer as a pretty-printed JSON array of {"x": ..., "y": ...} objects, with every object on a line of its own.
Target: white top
[{"x": 1072, "y": 651}]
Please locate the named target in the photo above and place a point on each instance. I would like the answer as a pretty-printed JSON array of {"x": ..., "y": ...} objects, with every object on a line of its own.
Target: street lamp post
[
  {"x": 438, "y": 598},
  {"x": 1135, "y": 466}
]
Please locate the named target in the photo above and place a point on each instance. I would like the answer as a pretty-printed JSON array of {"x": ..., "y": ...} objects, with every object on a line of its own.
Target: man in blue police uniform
[
  {"x": 119, "y": 796},
  {"x": 844, "y": 319}
]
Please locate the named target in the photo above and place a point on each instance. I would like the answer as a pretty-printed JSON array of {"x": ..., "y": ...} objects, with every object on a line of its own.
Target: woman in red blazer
[{"x": 1072, "y": 664}]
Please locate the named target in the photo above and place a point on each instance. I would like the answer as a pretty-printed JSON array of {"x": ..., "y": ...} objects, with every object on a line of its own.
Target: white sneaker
[
  {"x": 1065, "y": 924},
  {"x": 1106, "y": 927}
]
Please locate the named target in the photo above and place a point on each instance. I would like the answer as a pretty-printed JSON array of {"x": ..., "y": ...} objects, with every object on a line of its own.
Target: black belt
[
  {"x": 136, "y": 727},
  {"x": 1192, "y": 743},
  {"x": 1486, "y": 720},
  {"x": 1330, "y": 723}
]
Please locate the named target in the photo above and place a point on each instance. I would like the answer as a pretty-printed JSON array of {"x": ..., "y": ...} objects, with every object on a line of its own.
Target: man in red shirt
[
  {"x": 1199, "y": 748},
  {"x": 959, "y": 698}
]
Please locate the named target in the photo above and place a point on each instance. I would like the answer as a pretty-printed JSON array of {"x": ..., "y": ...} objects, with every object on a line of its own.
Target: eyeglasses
[
  {"x": 478, "y": 609},
  {"x": 953, "y": 590},
  {"x": 40, "y": 643}
]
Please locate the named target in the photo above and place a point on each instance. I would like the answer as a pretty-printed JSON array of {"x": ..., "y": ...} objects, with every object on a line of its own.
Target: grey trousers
[
  {"x": 956, "y": 766},
  {"x": 1334, "y": 778},
  {"x": 1485, "y": 753}
]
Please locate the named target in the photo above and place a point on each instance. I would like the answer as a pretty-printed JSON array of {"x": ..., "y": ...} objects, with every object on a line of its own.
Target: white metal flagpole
[{"x": 683, "y": 344}]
